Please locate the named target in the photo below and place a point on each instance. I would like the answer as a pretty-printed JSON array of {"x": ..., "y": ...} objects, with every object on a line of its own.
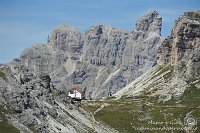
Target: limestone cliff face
[
  {"x": 107, "y": 46},
  {"x": 142, "y": 45},
  {"x": 104, "y": 46},
  {"x": 178, "y": 64},
  {"x": 64, "y": 48},
  {"x": 68, "y": 39},
  {"x": 150, "y": 23},
  {"x": 182, "y": 47},
  {"x": 102, "y": 60},
  {"x": 36, "y": 103}
]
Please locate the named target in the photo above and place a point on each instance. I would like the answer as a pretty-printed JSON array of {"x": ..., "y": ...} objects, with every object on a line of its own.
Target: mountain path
[{"x": 99, "y": 109}]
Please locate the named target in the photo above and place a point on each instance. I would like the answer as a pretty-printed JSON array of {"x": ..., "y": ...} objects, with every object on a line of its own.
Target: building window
[{"x": 71, "y": 92}]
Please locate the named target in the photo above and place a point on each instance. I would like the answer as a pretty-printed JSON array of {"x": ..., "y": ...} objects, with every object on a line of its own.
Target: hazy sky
[{"x": 25, "y": 22}]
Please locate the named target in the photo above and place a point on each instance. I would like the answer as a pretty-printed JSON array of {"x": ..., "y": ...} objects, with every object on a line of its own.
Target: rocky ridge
[
  {"x": 181, "y": 48},
  {"x": 32, "y": 104},
  {"x": 102, "y": 60},
  {"x": 178, "y": 62}
]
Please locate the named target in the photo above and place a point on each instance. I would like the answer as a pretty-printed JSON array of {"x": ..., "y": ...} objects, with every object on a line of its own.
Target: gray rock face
[
  {"x": 104, "y": 46},
  {"x": 64, "y": 48},
  {"x": 37, "y": 104},
  {"x": 39, "y": 58},
  {"x": 103, "y": 60},
  {"x": 182, "y": 47},
  {"x": 121, "y": 56},
  {"x": 150, "y": 22},
  {"x": 178, "y": 68},
  {"x": 68, "y": 39}
]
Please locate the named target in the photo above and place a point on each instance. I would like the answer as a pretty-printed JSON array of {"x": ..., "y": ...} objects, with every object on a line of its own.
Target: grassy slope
[
  {"x": 5, "y": 126},
  {"x": 129, "y": 112},
  {"x": 126, "y": 113},
  {"x": 2, "y": 74}
]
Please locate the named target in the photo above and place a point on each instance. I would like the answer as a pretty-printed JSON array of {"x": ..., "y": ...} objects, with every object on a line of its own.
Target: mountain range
[{"x": 102, "y": 61}]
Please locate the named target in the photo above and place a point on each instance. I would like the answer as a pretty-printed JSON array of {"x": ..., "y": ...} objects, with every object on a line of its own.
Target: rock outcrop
[
  {"x": 150, "y": 23},
  {"x": 178, "y": 63},
  {"x": 66, "y": 38},
  {"x": 102, "y": 60},
  {"x": 182, "y": 47},
  {"x": 32, "y": 104}
]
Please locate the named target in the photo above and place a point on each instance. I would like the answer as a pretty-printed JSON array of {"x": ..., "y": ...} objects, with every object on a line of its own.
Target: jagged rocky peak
[
  {"x": 119, "y": 56},
  {"x": 65, "y": 43},
  {"x": 194, "y": 15},
  {"x": 99, "y": 29},
  {"x": 150, "y": 23},
  {"x": 178, "y": 62},
  {"x": 187, "y": 26},
  {"x": 182, "y": 47},
  {"x": 102, "y": 59},
  {"x": 103, "y": 45},
  {"x": 96, "y": 29},
  {"x": 66, "y": 38}
]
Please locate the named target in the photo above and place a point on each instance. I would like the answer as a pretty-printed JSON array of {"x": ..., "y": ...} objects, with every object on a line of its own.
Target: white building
[{"x": 75, "y": 93}]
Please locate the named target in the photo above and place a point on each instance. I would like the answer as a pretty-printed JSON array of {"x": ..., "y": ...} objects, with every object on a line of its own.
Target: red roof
[{"x": 77, "y": 89}]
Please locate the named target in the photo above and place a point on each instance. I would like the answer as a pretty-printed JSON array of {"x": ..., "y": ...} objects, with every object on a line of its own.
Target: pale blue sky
[{"x": 25, "y": 22}]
